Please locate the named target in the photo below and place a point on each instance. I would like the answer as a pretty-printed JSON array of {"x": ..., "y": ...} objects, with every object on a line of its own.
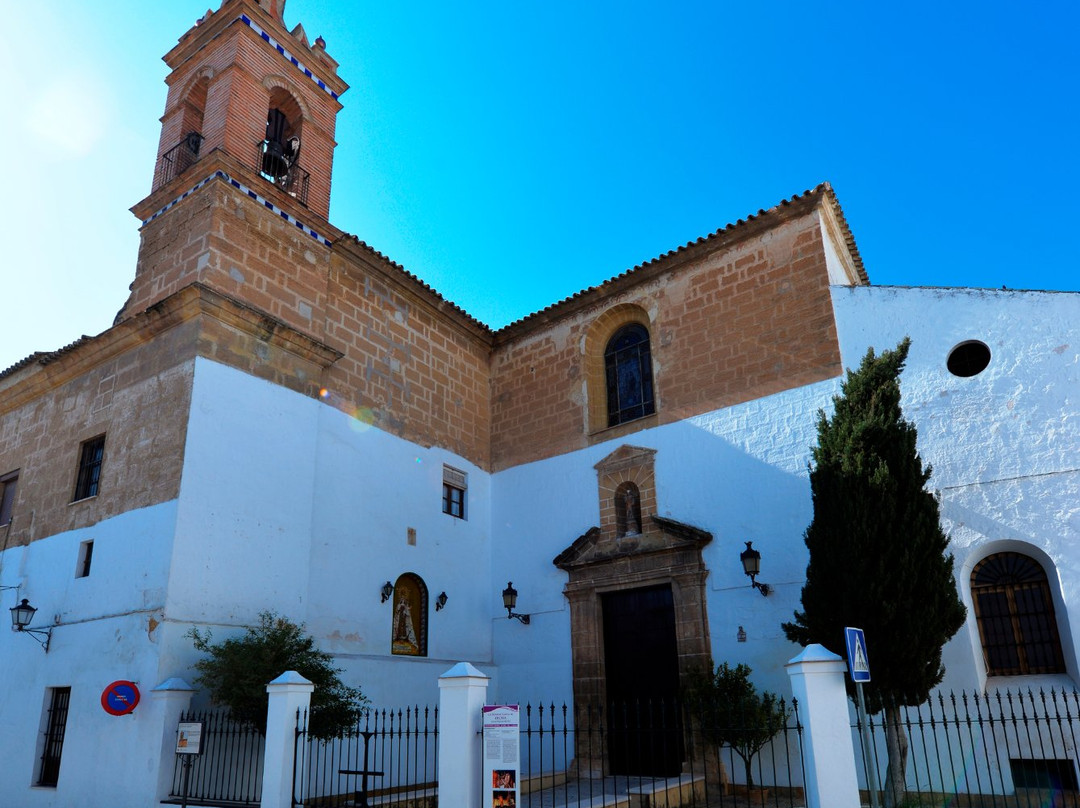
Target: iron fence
[
  {"x": 662, "y": 755},
  {"x": 228, "y": 771},
  {"x": 389, "y": 756},
  {"x": 999, "y": 749},
  {"x": 178, "y": 159}
]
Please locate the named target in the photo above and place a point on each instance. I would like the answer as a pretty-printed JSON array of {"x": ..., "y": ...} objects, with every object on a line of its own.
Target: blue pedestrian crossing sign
[{"x": 857, "y": 660}]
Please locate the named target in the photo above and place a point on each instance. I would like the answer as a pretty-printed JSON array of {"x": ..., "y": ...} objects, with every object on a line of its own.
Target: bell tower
[
  {"x": 241, "y": 82},
  {"x": 251, "y": 107}
]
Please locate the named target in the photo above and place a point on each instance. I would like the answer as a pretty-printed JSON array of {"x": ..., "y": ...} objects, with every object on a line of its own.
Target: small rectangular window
[
  {"x": 455, "y": 484},
  {"x": 55, "y": 725},
  {"x": 1056, "y": 775},
  {"x": 86, "y": 484},
  {"x": 8, "y": 484},
  {"x": 86, "y": 555}
]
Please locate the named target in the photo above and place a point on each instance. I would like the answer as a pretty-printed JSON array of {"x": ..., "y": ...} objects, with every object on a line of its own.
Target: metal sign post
[
  {"x": 859, "y": 667},
  {"x": 188, "y": 745}
]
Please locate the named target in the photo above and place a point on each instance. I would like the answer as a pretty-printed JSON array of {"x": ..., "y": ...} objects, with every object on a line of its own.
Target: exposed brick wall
[
  {"x": 749, "y": 319},
  {"x": 627, "y": 464},
  {"x": 241, "y": 71},
  {"x": 746, "y": 320},
  {"x": 138, "y": 399},
  {"x": 133, "y": 384},
  {"x": 408, "y": 366}
]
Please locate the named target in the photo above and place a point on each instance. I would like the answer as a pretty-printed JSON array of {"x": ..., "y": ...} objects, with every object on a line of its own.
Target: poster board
[
  {"x": 189, "y": 737},
  {"x": 502, "y": 756}
]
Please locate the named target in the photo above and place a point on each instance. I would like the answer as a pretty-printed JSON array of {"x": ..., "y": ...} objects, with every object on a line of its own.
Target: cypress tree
[{"x": 878, "y": 557}]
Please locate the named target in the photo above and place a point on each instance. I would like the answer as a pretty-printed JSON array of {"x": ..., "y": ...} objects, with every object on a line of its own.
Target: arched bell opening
[
  {"x": 184, "y": 154},
  {"x": 279, "y": 152}
]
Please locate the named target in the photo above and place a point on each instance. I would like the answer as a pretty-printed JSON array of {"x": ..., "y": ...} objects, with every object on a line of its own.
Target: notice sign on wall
[{"x": 502, "y": 755}]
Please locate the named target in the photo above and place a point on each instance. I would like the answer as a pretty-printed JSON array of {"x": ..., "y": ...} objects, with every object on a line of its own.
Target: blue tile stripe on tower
[
  {"x": 244, "y": 189},
  {"x": 254, "y": 26}
]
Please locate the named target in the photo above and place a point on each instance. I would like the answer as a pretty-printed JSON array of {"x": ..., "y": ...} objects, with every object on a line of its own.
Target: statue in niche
[
  {"x": 627, "y": 511},
  {"x": 407, "y": 631}
]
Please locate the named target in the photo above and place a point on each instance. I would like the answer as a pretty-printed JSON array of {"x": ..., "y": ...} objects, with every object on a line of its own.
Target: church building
[{"x": 282, "y": 418}]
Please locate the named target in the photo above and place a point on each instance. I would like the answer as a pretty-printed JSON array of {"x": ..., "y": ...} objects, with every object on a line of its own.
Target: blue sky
[{"x": 511, "y": 154}]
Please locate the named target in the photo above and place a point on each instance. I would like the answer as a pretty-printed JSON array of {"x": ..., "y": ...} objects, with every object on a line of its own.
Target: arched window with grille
[
  {"x": 1015, "y": 614},
  {"x": 628, "y": 371}
]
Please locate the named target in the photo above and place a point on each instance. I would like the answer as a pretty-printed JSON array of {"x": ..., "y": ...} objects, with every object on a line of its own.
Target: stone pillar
[
  {"x": 462, "y": 692},
  {"x": 167, "y": 701},
  {"x": 288, "y": 693},
  {"x": 817, "y": 681}
]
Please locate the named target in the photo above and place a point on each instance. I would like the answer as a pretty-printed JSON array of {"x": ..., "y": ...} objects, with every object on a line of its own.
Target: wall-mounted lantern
[
  {"x": 510, "y": 601},
  {"x": 440, "y": 601},
  {"x": 21, "y": 616},
  {"x": 386, "y": 591},
  {"x": 751, "y": 564}
]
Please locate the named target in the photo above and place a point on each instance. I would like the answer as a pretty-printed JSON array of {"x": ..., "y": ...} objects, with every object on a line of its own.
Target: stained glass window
[{"x": 628, "y": 367}]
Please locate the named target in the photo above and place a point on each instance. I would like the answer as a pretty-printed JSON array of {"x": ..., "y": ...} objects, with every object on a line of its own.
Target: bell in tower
[{"x": 279, "y": 153}]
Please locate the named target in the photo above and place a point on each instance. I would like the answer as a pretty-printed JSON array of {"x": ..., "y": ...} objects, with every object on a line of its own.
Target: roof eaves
[
  {"x": 442, "y": 303},
  {"x": 730, "y": 231}
]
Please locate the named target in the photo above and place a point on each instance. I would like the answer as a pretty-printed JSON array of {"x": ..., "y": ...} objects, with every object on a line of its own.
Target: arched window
[
  {"x": 1015, "y": 613},
  {"x": 409, "y": 634},
  {"x": 628, "y": 369},
  {"x": 280, "y": 151},
  {"x": 183, "y": 155}
]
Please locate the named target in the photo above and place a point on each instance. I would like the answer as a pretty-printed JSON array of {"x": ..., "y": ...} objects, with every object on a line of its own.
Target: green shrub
[{"x": 237, "y": 671}]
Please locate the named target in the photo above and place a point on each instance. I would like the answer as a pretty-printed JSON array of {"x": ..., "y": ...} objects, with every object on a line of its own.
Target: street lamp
[
  {"x": 510, "y": 601},
  {"x": 21, "y": 616},
  {"x": 751, "y": 564}
]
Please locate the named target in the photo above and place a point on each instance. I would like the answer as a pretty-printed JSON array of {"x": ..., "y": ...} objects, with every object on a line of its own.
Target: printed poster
[{"x": 502, "y": 755}]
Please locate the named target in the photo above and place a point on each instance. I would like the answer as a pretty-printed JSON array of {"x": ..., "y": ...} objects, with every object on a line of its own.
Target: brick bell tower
[{"x": 246, "y": 154}]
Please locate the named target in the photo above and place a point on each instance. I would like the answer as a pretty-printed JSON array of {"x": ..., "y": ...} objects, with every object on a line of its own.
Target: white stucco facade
[{"x": 289, "y": 505}]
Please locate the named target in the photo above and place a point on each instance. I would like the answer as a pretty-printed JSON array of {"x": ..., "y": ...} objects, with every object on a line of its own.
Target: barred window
[
  {"x": 1015, "y": 614},
  {"x": 55, "y": 725},
  {"x": 86, "y": 484},
  {"x": 628, "y": 370}
]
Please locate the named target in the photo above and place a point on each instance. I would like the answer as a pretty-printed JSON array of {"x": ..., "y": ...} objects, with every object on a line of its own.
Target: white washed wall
[
  {"x": 1004, "y": 446},
  {"x": 292, "y": 506},
  {"x": 108, "y": 626}
]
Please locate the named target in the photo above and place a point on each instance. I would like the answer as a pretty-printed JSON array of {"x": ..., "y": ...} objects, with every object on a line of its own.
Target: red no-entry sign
[{"x": 120, "y": 698}]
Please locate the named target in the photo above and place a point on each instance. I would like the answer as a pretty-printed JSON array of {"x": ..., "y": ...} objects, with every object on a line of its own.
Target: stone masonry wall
[
  {"x": 138, "y": 400},
  {"x": 408, "y": 367},
  {"x": 750, "y": 319}
]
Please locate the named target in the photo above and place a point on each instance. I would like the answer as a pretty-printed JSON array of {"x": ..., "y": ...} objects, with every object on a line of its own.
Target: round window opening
[{"x": 968, "y": 359}]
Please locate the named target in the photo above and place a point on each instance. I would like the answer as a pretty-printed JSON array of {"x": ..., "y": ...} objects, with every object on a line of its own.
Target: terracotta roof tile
[{"x": 824, "y": 190}]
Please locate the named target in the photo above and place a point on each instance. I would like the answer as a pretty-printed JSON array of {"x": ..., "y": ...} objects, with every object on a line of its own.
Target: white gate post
[
  {"x": 462, "y": 693},
  {"x": 817, "y": 681},
  {"x": 168, "y": 700},
  {"x": 288, "y": 693}
]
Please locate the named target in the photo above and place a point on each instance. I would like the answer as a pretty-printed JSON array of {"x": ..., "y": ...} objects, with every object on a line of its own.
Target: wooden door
[{"x": 642, "y": 675}]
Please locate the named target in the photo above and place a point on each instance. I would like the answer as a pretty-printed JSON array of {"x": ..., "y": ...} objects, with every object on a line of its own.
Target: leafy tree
[
  {"x": 732, "y": 712},
  {"x": 877, "y": 552},
  {"x": 237, "y": 671}
]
